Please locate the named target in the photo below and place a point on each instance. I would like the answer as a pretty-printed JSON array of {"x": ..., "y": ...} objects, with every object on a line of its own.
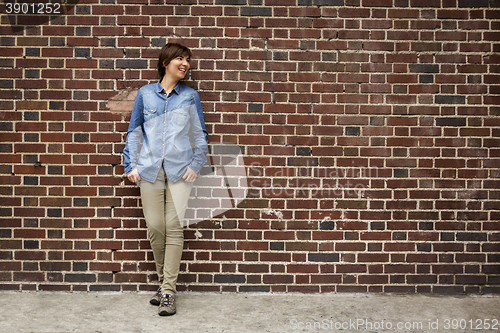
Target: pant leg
[
  {"x": 153, "y": 207},
  {"x": 177, "y": 196}
]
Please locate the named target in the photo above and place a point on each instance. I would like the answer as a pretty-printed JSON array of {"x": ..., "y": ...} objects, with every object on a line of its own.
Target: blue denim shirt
[{"x": 166, "y": 130}]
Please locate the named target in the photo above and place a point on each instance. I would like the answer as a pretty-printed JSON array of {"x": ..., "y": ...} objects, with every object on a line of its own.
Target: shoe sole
[
  {"x": 165, "y": 313},
  {"x": 154, "y": 302}
]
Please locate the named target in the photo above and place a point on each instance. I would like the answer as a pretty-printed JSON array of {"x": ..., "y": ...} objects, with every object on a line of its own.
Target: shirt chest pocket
[
  {"x": 149, "y": 114},
  {"x": 180, "y": 117}
]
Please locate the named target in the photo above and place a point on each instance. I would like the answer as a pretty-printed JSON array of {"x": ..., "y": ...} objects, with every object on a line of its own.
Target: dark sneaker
[
  {"x": 155, "y": 300},
  {"x": 167, "y": 305}
]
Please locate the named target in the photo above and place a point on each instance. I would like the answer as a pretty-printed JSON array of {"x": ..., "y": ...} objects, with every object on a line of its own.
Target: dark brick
[
  {"x": 490, "y": 269},
  {"x": 377, "y": 225},
  {"x": 6, "y": 126},
  {"x": 399, "y": 236},
  {"x": 426, "y": 225},
  {"x": 55, "y": 170},
  {"x": 280, "y": 55},
  {"x": 81, "y": 137},
  {"x": 424, "y": 68},
  {"x": 80, "y": 266},
  {"x": 32, "y": 73},
  {"x": 111, "y": 42},
  {"x": 277, "y": 246},
  {"x": 5, "y": 148},
  {"x": 158, "y": 42},
  {"x": 80, "y": 202},
  {"x": 473, "y": 3},
  {"x": 6, "y": 255},
  {"x": 303, "y": 151},
  {"x": 54, "y": 212},
  {"x": 327, "y": 225},
  {"x": 325, "y": 56},
  {"x": 401, "y": 173},
  {"x": 256, "y": 11},
  {"x": 131, "y": 63},
  {"x": 31, "y": 137},
  {"x": 349, "y": 235},
  {"x": 494, "y": 257},
  {"x": 323, "y": 257},
  {"x": 229, "y": 278},
  {"x": 230, "y": 2},
  {"x": 83, "y": 31},
  {"x": 401, "y": 3},
  {"x": 79, "y": 278},
  {"x": 57, "y": 41},
  {"x": 256, "y": 108},
  {"x": 82, "y": 52},
  {"x": 7, "y": 84},
  {"x": 82, "y": 10},
  {"x": 451, "y": 121},
  {"x": 53, "y": 105},
  {"x": 472, "y": 236},
  {"x": 30, "y": 180},
  {"x": 321, "y": 2},
  {"x": 32, "y": 52},
  {"x": 445, "y": 257},
  {"x": 425, "y": 79},
  {"x": 7, "y": 41},
  {"x": 444, "y": 99},
  {"x": 447, "y": 236},
  {"x": 424, "y": 247},
  {"x": 31, "y": 244},
  {"x": 352, "y": 131},
  {"x": 5, "y": 233}
]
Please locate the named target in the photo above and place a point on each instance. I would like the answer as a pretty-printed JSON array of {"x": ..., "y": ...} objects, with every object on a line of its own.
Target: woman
[{"x": 167, "y": 120}]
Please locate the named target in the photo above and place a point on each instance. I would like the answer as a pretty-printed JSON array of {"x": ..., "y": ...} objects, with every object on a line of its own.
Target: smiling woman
[{"x": 166, "y": 120}]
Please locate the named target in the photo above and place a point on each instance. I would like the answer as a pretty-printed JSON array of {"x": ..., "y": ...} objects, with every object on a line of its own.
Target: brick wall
[{"x": 370, "y": 130}]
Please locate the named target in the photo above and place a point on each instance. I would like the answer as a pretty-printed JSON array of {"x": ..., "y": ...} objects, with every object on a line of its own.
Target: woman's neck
[{"x": 168, "y": 84}]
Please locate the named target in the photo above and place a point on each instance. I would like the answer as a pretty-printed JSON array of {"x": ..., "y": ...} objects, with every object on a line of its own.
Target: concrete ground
[{"x": 215, "y": 312}]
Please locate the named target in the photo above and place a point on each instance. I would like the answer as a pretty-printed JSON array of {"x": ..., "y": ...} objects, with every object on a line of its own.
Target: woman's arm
[
  {"x": 134, "y": 134},
  {"x": 200, "y": 136}
]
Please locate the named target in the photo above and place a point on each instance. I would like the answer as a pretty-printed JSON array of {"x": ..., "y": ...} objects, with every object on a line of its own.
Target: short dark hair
[{"x": 169, "y": 52}]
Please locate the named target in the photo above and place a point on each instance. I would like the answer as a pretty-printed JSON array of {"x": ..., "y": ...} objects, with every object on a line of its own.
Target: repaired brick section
[{"x": 369, "y": 129}]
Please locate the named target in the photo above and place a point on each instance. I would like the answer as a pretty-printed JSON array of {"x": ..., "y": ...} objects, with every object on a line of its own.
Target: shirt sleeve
[
  {"x": 200, "y": 136},
  {"x": 134, "y": 133}
]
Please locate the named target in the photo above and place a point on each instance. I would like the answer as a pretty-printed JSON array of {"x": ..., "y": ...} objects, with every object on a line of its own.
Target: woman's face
[{"x": 178, "y": 67}]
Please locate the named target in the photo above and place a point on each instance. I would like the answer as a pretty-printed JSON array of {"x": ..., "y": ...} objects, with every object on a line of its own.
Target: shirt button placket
[{"x": 164, "y": 127}]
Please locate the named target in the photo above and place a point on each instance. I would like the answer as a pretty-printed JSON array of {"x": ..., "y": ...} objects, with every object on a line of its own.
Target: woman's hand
[
  {"x": 133, "y": 176},
  {"x": 190, "y": 175}
]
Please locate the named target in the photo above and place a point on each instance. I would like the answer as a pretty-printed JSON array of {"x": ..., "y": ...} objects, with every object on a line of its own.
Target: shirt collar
[{"x": 160, "y": 89}]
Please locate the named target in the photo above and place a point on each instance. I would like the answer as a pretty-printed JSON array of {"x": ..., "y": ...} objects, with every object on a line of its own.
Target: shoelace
[{"x": 167, "y": 299}]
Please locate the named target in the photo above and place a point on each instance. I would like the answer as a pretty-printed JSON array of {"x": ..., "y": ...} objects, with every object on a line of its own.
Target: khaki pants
[{"x": 164, "y": 204}]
